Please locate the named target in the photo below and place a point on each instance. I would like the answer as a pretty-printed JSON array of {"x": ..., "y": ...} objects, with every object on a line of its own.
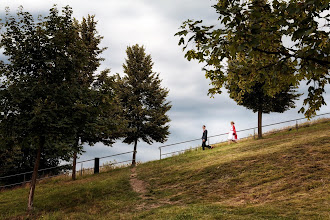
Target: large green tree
[
  {"x": 38, "y": 98},
  {"x": 143, "y": 100},
  {"x": 283, "y": 31},
  {"x": 267, "y": 89},
  {"x": 96, "y": 113}
]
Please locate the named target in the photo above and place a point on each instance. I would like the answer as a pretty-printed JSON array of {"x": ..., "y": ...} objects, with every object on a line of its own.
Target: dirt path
[
  {"x": 148, "y": 200},
  {"x": 138, "y": 186}
]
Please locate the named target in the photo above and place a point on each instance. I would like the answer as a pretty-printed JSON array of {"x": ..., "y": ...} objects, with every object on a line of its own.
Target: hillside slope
[{"x": 283, "y": 176}]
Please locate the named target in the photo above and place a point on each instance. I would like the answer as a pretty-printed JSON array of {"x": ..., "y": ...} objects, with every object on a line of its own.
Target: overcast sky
[{"x": 153, "y": 23}]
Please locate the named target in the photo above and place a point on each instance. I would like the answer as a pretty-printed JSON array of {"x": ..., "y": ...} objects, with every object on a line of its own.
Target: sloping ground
[{"x": 283, "y": 176}]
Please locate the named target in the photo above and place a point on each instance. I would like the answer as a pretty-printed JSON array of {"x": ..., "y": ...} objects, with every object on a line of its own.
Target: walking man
[{"x": 204, "y": 138}]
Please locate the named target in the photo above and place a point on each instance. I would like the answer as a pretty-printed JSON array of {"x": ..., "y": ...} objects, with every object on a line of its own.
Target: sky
[{"x": 153, "y": 23}]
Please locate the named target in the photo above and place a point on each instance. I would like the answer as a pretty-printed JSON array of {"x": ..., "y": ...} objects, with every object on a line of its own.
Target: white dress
[{"x": 231, "y": 135}]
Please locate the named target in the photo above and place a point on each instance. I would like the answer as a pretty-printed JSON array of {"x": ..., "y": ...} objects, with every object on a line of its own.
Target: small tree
[{"x": 143, "y": 100}]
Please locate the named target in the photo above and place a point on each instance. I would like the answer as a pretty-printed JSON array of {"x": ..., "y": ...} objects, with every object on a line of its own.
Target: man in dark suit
[{"x": 204, "y": 138}]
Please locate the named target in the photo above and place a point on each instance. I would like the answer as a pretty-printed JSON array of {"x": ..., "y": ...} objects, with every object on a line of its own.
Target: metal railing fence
[
  {"x": 218, "y": 135},
  {"x": 62, "y": 167},
  {"x": 96, "y": 164}
]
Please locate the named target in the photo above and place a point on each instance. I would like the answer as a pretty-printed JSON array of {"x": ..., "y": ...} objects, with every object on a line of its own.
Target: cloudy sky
[{"x": 153, "y": 23}]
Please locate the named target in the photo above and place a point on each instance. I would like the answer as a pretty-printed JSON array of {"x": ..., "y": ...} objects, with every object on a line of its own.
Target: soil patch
[{"x": 138, "y": 186}]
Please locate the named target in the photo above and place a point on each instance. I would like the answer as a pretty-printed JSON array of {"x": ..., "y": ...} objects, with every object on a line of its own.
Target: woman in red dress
[{"x": 232, "y": 135}]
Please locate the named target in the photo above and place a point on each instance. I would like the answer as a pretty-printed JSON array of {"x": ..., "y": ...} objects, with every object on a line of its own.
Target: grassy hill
[{"x": 286, "y": 175}]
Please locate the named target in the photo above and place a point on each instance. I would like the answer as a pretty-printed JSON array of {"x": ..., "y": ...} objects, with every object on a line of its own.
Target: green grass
[{"x": 282, "y": 176}]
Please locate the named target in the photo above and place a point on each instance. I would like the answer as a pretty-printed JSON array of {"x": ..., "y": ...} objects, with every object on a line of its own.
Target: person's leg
[{"x": 203, "y": 145}]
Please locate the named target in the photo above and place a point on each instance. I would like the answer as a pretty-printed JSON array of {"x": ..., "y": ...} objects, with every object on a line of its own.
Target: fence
[
  {"x": 63, "y": 169},
  {"x": 97, "y": 167},
  {"x": 96, "y": 160},
  {"x": 219, "y": 135}
]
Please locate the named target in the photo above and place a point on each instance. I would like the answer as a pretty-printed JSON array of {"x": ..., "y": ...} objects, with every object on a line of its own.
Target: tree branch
[{"x": 318, "y": 61}]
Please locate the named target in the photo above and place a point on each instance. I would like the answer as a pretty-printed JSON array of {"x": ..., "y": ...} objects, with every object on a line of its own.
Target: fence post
[
  {"x": 254, "y": 133},
  {"x": 81, "y": 169},
  {"x": 24, "y": 180},
  {"x": 160, "y": 153},
  {"x": 96, "y": 165},
  {"x": 297, "y": 125}
]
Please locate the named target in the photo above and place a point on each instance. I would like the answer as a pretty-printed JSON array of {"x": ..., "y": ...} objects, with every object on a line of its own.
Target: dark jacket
[{"x": 204, "y": 135}]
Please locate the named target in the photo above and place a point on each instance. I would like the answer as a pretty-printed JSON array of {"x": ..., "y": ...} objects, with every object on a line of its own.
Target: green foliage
[
  {"x": 109, "y": 122},
  {"x": 255, "y": 29},
  {"x": 39, "y": 85},
  {"x": 262, "y": 82},
  {"x": 49, "y": 86},
  {"x": 50, "y": 96},
  {"x": 96, "y": 114},
  {"x": 256, "y": 100},
  {"x": 143, "y": 99},
  {"x": 39, "y": 80}
]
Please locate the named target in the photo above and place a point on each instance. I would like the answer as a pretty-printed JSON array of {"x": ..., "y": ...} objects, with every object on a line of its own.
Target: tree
[
  {"x": 40, "y": 83},
  {"x": 267, "y": 89},
  {"x": 96, "y": 113},
  {"x": 143, "y": 100},
  {"x": 252, "y": 93},
  {"x": 258, "y": 27}
]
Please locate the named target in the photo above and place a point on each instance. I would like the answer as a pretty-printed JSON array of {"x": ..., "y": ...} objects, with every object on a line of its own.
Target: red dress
[
  {"x": 235, "y": 134},
  {"x": 232, "y": 135}
]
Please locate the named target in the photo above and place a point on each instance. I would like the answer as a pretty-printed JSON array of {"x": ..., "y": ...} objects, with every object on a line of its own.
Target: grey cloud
[
  {"x": 185, "y": 9},
  {"x": 153, "y": 24}
]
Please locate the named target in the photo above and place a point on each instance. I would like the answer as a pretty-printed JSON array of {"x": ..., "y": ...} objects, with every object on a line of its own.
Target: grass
[{"x": 282, "y": 176}]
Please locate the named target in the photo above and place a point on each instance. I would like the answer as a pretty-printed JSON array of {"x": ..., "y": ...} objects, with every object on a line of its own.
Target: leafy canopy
[
  {"x": 143, "y": 99},
  {"x": 296, "y": 33},
  {"x": 39, "y": 80}
]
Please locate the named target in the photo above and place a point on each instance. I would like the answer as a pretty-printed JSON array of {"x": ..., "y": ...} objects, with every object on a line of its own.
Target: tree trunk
[
  {"x": 134, "y": 154},
  {"x": 35, "y": 173},
  {"x": 260, "y": 123},
  {"x": 74, "y": 163}
]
